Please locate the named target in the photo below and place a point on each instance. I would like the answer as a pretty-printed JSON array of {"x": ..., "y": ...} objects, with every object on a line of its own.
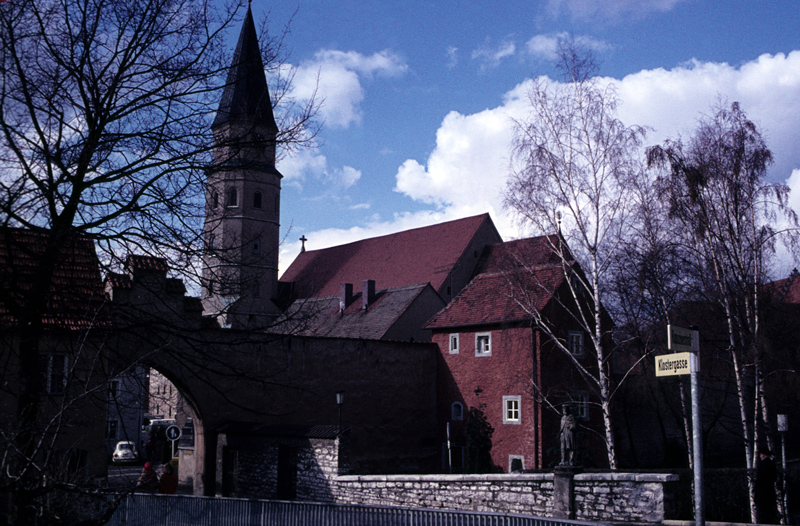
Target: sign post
[
  {"x": 685, "y": 344},
  {"x": 173, "y": 433}
]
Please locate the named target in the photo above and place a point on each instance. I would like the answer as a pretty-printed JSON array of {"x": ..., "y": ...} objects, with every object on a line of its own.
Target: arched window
[
  {"x": 257, "y": 199},
  {"x": 257, "y": 247},
  {"x": 214, "y": 199},
  {"x": 233, "y": 197}
]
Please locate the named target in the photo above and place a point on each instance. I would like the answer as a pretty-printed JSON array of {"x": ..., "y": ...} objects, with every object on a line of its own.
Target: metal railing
[{"x": 184, "y": 510}]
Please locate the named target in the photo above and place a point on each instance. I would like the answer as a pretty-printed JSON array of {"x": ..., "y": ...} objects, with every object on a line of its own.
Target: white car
[{"x": 125, "y": 452}]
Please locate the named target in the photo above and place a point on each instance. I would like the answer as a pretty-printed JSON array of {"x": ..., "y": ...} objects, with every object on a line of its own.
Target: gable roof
[
  {"x": 76, "y": 294},
  {"x": 321, "y": 316},
  {"x": 522, "y": 272},
  {"x": 421, "y": 255}
]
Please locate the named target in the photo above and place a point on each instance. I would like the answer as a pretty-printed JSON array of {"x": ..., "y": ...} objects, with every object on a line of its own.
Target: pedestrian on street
[
  {"x": 168, "y": 484},
  {"x": 766, "y": 476},
  {"x": 148, "y": 480}
]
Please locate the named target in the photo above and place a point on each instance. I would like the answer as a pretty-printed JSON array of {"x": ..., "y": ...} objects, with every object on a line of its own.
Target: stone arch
[{"x": 192, "y": 461}]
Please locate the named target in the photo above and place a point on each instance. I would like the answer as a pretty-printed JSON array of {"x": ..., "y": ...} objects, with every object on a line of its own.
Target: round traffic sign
[{"x": 173, "y": 433}]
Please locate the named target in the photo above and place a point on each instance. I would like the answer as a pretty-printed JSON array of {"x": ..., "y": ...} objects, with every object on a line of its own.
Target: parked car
[{"x": 125, "y": 452}]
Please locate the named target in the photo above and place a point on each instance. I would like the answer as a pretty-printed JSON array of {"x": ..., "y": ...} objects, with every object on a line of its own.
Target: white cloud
[
  {"x": 305, "y": 164},
  {"x": 452, "y": 57},
  {"x": 546, "y": 46},
  {"x": 489, "y": 56},
  {"x": 612, "y": 10},
  {"x": 338, "y": 78},
  {"x": 466, "y": 172}
]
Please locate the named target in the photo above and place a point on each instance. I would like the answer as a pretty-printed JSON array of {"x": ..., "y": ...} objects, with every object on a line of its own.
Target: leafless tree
[
  {"x": 717, "y": 191},
  {"x": 105, "y": 134},
  {"x": 573, "y": 162}
]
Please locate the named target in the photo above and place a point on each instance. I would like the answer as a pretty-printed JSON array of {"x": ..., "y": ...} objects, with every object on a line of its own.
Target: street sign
[
  {"x": 675, "y": 364},
  {"x": 682, "y": 340},
  {"x": 173, "y": 433}
]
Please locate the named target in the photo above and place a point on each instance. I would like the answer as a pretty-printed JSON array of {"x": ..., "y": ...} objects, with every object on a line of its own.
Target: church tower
[{"x": 242, "y": 221}]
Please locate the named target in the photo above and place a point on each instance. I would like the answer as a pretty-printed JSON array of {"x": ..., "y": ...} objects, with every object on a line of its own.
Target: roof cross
[{"x": 303, "y": 240}]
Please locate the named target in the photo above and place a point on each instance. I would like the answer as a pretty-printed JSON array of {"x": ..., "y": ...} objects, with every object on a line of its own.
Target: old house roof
[
  {"x": 321, "y": 316},
  {"x": 76, "y": 295},
  {"x": 511, "y": 277},
  {"x": 246, "y": 97},
  {"x": 786, "y": 290},
  {"x": 420, "y": 255}
]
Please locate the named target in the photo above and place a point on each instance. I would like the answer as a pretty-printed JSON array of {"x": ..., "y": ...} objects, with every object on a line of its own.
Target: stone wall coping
[
  {"x": 493, "y": 477},
  {"x": 626, "y": 477}
]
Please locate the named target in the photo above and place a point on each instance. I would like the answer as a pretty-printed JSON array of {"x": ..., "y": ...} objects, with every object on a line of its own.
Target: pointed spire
[{"x": 246, "y": 97}]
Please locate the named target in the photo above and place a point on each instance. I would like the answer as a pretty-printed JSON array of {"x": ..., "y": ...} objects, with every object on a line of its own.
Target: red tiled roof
[
  {"x": 156, "y": 264},
  {"x": 786, "y": 290},
  {"x": 321, "y": 317},
  {"x": 499, "y": 298},
  {"x": 76, "y": 295},
  {"x": 511, "y": 277},
  {"x": 420, "y": 255},
  {"x": 530, "y": 252}
]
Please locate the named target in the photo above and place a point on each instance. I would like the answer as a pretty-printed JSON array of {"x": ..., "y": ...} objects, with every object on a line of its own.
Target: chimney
[
  {"x": 367, "y": 293},
  {"x": 345, "y": 295}
]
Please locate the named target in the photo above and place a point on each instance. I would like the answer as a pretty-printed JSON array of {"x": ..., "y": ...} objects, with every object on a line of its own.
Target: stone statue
[{"x": 568, "y": 424}]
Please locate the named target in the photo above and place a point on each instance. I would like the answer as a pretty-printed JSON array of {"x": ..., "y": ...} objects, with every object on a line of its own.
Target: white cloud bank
[{"x": 466, "y": 172}]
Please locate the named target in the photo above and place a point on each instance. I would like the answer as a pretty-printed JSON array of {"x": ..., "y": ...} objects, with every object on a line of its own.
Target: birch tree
[
  {"x": 717, "y": 192},
  {"x": 572, "y": 162}
]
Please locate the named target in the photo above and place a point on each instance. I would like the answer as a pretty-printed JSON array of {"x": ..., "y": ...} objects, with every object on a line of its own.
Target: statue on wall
[{"x": 567, "y": 432}]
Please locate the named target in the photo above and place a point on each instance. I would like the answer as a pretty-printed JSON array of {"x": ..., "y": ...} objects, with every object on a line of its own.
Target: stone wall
[
  {"x": 625, "y": 497},
  {"x": 621, "y": 497}
]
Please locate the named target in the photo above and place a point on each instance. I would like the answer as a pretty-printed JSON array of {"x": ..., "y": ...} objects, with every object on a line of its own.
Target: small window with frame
[
  {"x": 483, "y": 344},
  {"x": 511, "y": 409},
  {"x": 575, "y": 343},
  {"x": 456, "y": 411},
  {"x": 580, "y": 404},
  {"x": 257, "y": 199},
  {"x": 233, "y": 198},
  {"x": 454, "y": 343}
]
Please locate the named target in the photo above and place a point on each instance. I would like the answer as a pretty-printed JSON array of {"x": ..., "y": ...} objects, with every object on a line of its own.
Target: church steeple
[
  {"x": 240, "y": 270},
  {"x": 245, "y": 98}
]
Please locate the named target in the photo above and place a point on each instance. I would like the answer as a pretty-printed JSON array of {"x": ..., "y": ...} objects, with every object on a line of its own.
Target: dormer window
[
  {"x": 257, "y": 199},
  {"x": 233, "y": 197}
]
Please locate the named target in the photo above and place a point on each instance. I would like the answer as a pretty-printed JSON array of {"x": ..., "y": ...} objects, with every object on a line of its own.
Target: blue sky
[{"x": 419, "y": 95}]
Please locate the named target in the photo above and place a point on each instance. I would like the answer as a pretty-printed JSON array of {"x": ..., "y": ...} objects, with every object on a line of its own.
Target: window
[
  {"x": 56, "y": 374},
  {"x": 511, "y": 409},
  {"x": 233, "y": 197},
  {"x": 483, "y": 344},
  {"x": 212, "y": 241},
  {"x": 575, "y": 343},
  {"x": 580, "y": 402},
  {"x": 111, "y": 429},
  {"x": 516, "y": 463},
  {"x": 454, "y": 344},
  {"x": 257, "y": 247},
  {"x": 113, "y": 388},
  {"x": 456, "y": 411},
  {"x": 214, "y": 199},
  {"x": 257, "y": 199}
]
